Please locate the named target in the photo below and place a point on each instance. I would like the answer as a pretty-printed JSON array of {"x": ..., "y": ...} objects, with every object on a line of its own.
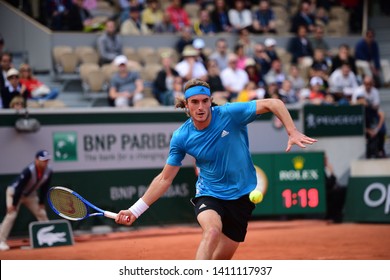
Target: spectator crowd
[
  {"x": 306, "y": 70},
  {"x": 205, "y": 17}
]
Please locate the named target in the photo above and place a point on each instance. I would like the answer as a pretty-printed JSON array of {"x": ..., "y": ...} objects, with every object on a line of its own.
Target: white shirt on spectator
[
  {"x": 198, "y": 71},
  {"x": 372, "y": 97},
  {"x": 240, "y": 19},
  {"x": 339, "y": 83},
  {"x": 234, "y": 79}
]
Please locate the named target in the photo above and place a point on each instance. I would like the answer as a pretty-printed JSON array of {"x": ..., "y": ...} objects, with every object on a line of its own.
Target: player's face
[
  {"x": 199, "y": 109},
  {"x": 41, "y": 164}
]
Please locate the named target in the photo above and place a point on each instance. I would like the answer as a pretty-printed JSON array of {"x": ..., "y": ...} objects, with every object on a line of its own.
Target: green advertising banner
[
  {"x": 295, "y": 183},
  {"x": 334, "y": 121},
  {"x": 368, "y": 200}
]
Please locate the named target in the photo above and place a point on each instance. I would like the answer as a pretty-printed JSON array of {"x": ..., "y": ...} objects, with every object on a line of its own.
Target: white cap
[
  {"x": 316, "y": 81},
  {"x": 190, "y": 51},
  {"x": 12, "y": 72},
  {"x": 198, "y": 43},
  {"x": 270, "y": 42},
  {"x": 120, "y": 59},
  {"x": 250, "y": 62}
]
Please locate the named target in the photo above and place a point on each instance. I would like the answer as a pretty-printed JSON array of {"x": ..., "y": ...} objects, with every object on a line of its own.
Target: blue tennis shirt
[{"x": 221, "y": 151}]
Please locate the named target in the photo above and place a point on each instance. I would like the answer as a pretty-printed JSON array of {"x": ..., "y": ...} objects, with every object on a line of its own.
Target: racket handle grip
[{"x": 111, "y": 215}]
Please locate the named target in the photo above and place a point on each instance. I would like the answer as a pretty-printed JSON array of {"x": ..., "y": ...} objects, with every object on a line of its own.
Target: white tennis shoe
[{"x": 3, "y": 246}]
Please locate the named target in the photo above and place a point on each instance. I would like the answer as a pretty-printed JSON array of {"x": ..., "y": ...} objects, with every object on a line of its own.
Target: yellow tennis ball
[{"x": 256, "y": 196}]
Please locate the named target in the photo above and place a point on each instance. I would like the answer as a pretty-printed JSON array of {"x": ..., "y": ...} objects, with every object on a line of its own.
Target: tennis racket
[{"x": 70, "y": 205}]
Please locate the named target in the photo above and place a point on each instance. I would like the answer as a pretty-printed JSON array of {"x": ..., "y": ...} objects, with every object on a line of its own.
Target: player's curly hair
[{"x": 181, "y": 102}]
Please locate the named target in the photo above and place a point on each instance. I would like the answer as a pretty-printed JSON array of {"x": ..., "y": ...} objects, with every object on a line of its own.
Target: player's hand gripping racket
[{"x": 70, "y": 205}]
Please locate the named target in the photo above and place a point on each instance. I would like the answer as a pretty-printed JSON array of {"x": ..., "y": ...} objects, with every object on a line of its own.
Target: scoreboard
[{"x": 292, "y": 183}]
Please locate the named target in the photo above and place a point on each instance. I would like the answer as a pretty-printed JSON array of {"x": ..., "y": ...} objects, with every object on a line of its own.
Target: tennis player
[
  {"x": 24, "y": 190},
  {"x": 217, "y": 137}
]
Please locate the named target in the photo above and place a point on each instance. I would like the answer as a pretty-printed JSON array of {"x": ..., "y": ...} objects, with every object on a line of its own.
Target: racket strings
[{"x": 68, "y": 204}]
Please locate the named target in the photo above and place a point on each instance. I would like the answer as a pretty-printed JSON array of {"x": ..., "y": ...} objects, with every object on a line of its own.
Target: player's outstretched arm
[
  {"x": 157, "y": 188},
  {"x": 277, "y": 107}
]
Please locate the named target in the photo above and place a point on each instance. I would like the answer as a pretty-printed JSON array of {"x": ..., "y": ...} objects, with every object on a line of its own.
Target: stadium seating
[
  {"x": 96, "y": 84},
  {"x": 46, "y": 104},
  {"x": 147, "y": 102},
  {"x": 153, "y": 58},
  {"x": 149, "y": 72},
  {"x": 57, "y": 52},
  {"x": 131, "y": 54},
  {"x": 85, "y": 68},
  {"x": 90, "y": 57},
  {"x": 134, "y": 66},
  {"x": 80, "y": 50},
  {"x": 145, "y": 52},
  {"x": 108, "y": 70},
  {"x": 54, "y": 104},
  {"x": 68, "y": 63}
]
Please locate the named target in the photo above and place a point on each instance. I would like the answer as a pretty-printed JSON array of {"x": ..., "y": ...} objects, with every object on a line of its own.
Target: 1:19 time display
[{"x": 302, "y": 198}]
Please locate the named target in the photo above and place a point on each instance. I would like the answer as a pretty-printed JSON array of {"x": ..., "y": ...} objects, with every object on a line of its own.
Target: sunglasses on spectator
[{"x": 13, "y": 77}]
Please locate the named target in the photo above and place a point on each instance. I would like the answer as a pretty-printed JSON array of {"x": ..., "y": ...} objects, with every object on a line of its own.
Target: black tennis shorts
[{"x": 234, "y": 214}]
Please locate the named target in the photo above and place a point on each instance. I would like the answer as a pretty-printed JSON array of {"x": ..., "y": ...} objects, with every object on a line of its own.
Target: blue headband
[{"x": 196, "y": 90}]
